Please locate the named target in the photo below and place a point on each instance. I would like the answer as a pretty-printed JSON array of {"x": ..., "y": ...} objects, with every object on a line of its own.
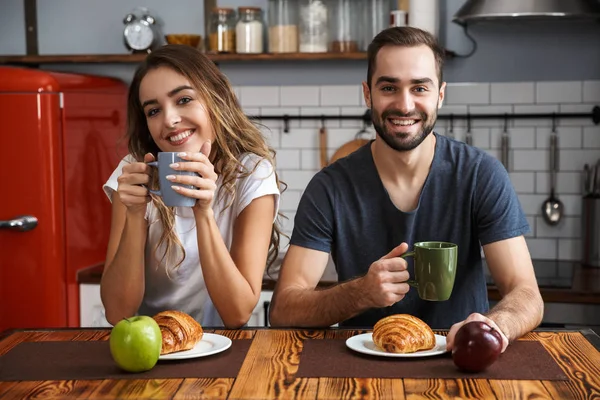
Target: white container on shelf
[
  {"x": 313, "y": 26},
  {"x": 249, "y": 31},
  {"x": 424, "y": 14},
  {"x": 398, "y": 18}
]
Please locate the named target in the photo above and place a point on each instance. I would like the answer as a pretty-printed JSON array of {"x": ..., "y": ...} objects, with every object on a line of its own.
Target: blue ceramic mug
[{"x": 170, "y": 197}]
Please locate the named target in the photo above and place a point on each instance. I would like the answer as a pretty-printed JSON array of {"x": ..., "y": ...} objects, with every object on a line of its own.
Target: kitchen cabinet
[
  {"x": 92, "y": 310},
  {"x": 260, "y": 315},
  {"x": 90, "y": 307}
]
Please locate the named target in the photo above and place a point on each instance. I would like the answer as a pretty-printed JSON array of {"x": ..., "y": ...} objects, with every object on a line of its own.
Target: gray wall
[{"x": 556, "y": 51}]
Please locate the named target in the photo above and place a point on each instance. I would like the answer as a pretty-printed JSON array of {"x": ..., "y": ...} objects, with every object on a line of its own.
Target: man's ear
[
  {"x": 442, "y": 95},
  {"x": 366, "y": 94}
]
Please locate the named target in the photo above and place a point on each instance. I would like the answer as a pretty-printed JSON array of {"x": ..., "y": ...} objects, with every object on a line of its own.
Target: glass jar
[
  {"x": 221, "y": 38},
  {"x": 345, "y": 23},
  {"x": 313, "y": 29},
  {"x": 283, "y": 26},
  {"x": 249, "y": 31},
  {"x": 376, "y": 18}
]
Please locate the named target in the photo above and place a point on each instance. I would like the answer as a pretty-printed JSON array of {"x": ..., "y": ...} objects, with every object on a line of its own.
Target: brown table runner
[
  {"x": 33, "y": 361},
  {"x": 331, "y": 358}
]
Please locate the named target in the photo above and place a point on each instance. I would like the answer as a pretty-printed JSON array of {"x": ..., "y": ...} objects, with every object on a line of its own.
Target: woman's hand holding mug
[
  {"x": 132, "y": 189},
  {"x": 203, "y": 180}
]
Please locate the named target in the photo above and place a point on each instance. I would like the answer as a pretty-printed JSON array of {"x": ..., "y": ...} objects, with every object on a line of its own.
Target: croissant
[
  {"x": 179, "y": 331},
  {"x": 403, "y": 333}
]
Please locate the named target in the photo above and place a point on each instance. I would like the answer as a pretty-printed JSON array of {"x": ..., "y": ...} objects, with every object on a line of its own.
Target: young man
[{"x": 406, "y": 186}]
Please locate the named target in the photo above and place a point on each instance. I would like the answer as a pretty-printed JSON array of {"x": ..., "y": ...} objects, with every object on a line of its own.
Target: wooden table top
[{"x": 272, "y": 360}]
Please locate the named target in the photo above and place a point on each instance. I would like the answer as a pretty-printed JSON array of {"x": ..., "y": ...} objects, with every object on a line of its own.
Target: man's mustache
[{"x": 398, "y": 114}]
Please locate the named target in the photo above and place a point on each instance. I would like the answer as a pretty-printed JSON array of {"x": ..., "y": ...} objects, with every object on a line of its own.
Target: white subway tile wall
[
  {"x": 512, "y": 93},
  {"x": 579, "y": 142}
]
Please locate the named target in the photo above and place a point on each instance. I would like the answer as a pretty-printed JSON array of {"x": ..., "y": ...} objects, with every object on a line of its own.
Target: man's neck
[{"x": 403, "y": 167}]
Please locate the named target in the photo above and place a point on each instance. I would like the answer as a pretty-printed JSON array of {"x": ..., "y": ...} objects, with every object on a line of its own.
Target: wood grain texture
[
  {"x": 448, "y": 389},
  {"x": 207, "y": 388},
  {"x": 137, "y": 389},
  {"x": 11, "y": 341},
  {"x": 241, "y": 334},
  {"x": 51, "y": 390},
  {"x": 274, "y": 357},
  {"x": 343, "y": 334},
  {"x": 138, "y": 58},
  {"x": 87, "y": 336},
  {"x": 268, "y": 372},
  {"x": 577, "y": 357},
  {"x": 564, "y": 390},
  {"x": 35, "y": 336},
  {"x": 5, "y": 387},
  {"x": 360, "y": 388},
  {"x": 519, "y": 390}
]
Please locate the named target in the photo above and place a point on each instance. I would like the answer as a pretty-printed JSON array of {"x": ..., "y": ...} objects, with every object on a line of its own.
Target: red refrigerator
[{"x": 61, "y": 136}]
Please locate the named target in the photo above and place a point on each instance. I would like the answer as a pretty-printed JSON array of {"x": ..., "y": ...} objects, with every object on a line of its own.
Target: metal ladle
[{"x": 552, "y": 209}]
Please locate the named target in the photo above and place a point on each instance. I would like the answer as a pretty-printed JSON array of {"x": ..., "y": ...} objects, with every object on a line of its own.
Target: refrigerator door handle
[{"x": 22, "y": 223}]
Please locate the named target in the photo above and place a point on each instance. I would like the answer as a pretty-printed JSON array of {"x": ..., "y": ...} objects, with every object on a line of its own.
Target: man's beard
[{"x": 403, "y": 141}]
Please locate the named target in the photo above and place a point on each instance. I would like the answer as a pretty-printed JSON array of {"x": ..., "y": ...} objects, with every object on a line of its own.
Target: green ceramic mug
[{"x": 435, "y": 269}]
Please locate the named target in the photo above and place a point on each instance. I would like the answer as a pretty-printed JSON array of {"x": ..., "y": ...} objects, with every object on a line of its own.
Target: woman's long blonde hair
[{"x": 234, "y": 133}]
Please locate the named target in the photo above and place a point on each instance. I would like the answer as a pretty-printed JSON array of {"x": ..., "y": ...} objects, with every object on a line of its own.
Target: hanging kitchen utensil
[
  {"x": 351, "y": 146},
  {"x": 596, "y": 189},
  {"x": 593, "y": 180},
  {"x": 505, "y": 144},
  {"x": 552, "y": 209},
  {"x": 451, "y": 130},
  {"x": 323, "y": 144},
  {"x": 587, "y": 180},
  {"x": 469, "y": 137}
]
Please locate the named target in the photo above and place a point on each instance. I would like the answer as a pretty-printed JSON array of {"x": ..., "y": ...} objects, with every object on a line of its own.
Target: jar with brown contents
[
  {"x": 344, "y": 26},
  {"x": 221, "y": 38}
]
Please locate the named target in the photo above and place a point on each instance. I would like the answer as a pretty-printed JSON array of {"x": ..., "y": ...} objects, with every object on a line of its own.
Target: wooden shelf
[{"x": 136, "y": 58}]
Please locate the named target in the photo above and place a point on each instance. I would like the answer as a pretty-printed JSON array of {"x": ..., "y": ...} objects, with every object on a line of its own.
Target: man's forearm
[
  {"x": 519, "y": 312},
  {"x": 302, "y": 307}
]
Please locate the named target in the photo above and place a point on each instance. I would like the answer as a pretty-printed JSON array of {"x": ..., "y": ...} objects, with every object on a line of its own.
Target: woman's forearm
[
  {"x": 229, "y": 290},
  {"x": 122, "y": 284}
]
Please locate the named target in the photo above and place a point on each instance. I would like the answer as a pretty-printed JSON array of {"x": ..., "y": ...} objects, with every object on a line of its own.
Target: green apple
[{"x": 135, "y": 343}]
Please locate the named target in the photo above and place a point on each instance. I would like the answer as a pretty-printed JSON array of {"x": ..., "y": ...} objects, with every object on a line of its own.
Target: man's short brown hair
[{"x": 404, "y": 36}]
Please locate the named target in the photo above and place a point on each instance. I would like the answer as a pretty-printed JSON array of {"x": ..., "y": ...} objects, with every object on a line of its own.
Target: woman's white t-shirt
[{"x": 185, "y": 289}]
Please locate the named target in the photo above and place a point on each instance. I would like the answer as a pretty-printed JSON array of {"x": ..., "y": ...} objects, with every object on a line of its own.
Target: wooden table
[{"x": 270, "y": 364}]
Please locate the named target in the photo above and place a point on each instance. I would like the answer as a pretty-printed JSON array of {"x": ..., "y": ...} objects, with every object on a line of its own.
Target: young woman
[{"x": 207, "y": 260}]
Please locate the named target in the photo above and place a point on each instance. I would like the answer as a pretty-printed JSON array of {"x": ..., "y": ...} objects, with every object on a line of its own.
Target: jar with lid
[
  {"x": 376, "y": 18},
  {"x": 249, "y": 31},
  {"x": 283, "y": 26},
  {"x": 222, "y": 30},
  {"x": 345, "y": 23},
  {"x": 312, "y": 26}
]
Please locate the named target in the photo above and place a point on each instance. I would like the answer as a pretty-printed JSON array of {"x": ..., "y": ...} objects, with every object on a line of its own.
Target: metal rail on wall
[{"x": 594, "y": 115}]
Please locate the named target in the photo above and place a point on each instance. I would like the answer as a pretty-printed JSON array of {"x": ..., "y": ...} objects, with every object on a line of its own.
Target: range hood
[{"x": 507, "y": 10}]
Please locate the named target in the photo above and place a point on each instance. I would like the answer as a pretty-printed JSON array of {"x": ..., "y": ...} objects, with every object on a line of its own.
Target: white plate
[
  {"x": 210, "y": 344},
  {"x": 364, "y": 344}
]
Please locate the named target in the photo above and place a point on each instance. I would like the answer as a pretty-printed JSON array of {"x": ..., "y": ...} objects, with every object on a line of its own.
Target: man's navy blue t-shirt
[{"x": 467, "y": 199}]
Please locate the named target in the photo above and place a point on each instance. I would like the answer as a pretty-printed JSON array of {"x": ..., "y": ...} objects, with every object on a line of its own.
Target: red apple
[{"x": 476, "y": 346}]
